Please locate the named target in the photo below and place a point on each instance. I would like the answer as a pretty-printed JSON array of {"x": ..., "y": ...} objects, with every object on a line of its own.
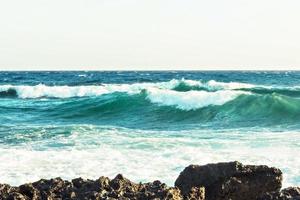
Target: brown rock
[{"x": 196, "y": 194}]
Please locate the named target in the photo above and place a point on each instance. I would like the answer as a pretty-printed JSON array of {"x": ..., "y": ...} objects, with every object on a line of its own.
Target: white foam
[
  {"x": 212, "y": 84},
  {"x": 146, "y": 155},
  {"x": 82, "y": 75},
  {"x": 41, "y": 90},
  {"x": 192, "y": 99}
]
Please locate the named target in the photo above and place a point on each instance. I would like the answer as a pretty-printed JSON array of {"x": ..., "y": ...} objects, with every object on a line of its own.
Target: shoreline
[{"x": 230, "y": 180}]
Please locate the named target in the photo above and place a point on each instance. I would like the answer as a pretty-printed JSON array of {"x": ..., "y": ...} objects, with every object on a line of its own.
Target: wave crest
[
  {"x": 191, "y": 100},
  {"x": 40, "y": 91}
]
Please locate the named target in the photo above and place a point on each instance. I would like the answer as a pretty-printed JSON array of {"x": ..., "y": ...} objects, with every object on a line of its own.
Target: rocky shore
[{"x": 226, "y": 181}]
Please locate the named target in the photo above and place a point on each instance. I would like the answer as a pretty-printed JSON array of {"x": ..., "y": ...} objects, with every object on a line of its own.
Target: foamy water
[
  {"x": 41, "y": 90},
  {"x": 144, "y": 155},
  {"x": 145, "y": 125}
]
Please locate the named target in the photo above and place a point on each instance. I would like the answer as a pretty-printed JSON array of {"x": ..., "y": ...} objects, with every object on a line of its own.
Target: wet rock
[
  {"x": 230, "y": 180},
  {"x": 84, "y": 189},
  {"x": 291, "y": 193},
  {"x": 224, "y": 181},
  {"x": 196, "y": 193},
  {"x": 4, "y": 190},
  {"x": 119, "y": 183},
  {"x": 16, "y": 196},
  {"x": 29, "y": 191}
]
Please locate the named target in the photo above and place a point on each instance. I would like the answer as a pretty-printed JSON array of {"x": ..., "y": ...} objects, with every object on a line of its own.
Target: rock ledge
[{"x": 220, "y": 181}]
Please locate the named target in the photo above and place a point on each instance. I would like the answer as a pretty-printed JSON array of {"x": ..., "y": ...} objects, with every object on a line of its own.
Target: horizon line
[{"x": 258, "y": 68}]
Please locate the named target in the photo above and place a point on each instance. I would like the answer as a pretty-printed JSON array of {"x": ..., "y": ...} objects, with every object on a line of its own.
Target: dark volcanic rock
[
  {"x": 231, "y": 180},
  {"x": 291, "y": 193},
  {"x": 100, "y": 189},
  {"x": 221, "y": 181},
  {"x": 196, "y": 193},
  {"x": 4, "y": 190}
]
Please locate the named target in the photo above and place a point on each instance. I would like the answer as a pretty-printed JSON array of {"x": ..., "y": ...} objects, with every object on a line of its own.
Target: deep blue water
[{"x": 82, "y": 120}]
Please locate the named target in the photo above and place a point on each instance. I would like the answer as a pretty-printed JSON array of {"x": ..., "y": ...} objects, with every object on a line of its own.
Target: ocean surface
[{"x": 146, "y": 125}]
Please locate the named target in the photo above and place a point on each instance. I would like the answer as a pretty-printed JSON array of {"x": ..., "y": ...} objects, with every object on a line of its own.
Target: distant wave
[{"x": 41, "y": 91}]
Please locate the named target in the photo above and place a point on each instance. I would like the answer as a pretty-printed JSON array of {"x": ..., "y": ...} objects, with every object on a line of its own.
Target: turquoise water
[{"x": 146, "y": 125}]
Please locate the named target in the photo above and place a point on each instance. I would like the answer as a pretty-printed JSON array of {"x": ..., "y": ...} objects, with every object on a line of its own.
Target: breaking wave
[
  {"x": 174, "y": 101},
  {"x": 41, "y": 91}
]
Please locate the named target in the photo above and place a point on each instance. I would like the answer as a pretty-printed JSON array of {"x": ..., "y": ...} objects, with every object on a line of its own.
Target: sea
[{"x": 147, "y": 125}]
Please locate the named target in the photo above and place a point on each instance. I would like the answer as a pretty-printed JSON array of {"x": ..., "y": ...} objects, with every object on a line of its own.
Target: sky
[{"x": 149, "y": 34}]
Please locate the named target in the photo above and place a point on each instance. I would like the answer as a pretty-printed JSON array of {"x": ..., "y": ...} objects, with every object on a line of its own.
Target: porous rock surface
[
  {"x": 291, "y": 193},
  {"x": 230, "y": 181},
  {"x": 100, "y": 189}
]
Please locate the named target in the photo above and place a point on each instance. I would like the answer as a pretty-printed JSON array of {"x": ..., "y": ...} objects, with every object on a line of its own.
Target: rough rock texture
[
  {"x": 232, "y": 180},
  {"x": 102, "y": 188},
  {"x": 291, "y": 193}
]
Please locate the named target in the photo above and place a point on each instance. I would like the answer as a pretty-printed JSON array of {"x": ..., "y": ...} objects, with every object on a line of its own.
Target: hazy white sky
[{"x": 149, "y": 34}]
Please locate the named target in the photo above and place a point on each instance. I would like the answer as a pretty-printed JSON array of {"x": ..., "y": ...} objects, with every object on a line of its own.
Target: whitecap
[
  {"x": 191, "y": 100},
  {"x": 41, "y": 90}
]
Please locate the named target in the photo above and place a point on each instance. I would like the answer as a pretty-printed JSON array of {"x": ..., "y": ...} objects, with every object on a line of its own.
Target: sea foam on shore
[{"x": 221, "y": 181}]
